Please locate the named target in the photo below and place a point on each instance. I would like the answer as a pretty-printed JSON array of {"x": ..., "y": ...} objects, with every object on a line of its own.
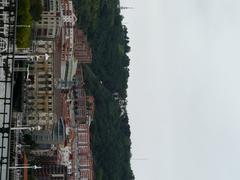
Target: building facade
[
  {"x": 84, "y": 153},
  {"x": 40, "y": 86},
  {"x": 82, "y": 51},
  {"x": 68, "y": 23},
  {"x": 55, "y": 136},
  {"x": 46, "y": 28},
  {"x": 51, "y": 172},
  {"x": 47, "y": 159}
]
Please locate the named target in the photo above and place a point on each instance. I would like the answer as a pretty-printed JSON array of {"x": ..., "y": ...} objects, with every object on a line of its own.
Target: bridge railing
[{"x": 8, "y": 11}]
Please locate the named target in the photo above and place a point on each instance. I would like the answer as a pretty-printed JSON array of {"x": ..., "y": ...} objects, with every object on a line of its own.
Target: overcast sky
[{"x": 184, "y": 89}]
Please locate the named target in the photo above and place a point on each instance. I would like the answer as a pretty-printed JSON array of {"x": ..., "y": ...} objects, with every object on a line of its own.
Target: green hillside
[{"x": 106, "y": 79}]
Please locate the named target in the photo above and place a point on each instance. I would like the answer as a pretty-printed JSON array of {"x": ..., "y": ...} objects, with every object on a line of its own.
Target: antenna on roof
[{"x": 126, "y": 7}]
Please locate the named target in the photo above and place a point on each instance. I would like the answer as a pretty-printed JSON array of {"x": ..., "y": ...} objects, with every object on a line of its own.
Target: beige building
[
  {"x": 40, "y": 86},
  {"x": 50, "y": 20}
]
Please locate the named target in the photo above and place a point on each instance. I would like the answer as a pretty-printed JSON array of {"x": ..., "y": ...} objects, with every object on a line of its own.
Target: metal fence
[{"x": 8, "y": 10}]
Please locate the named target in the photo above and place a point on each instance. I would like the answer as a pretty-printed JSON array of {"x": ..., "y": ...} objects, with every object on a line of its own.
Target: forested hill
[{"x": 106, "y": 79}]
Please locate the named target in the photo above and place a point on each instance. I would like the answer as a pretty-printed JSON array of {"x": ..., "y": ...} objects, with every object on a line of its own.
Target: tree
[
  {"x": 107, "y": 75},
  {"x": 36, "y": 9},
  {"x": 23, "y": 18}
]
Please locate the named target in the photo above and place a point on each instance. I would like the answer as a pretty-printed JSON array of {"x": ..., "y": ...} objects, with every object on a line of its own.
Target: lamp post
[
  {"x": 30, "y": 57},
  {"x": 6, "y": 130},
  {"x": 22, "y": 25},
  {"x": 25, "y": 167},
  {"x": 22, "y": 145},
  {"x": 37, "y": 128}
]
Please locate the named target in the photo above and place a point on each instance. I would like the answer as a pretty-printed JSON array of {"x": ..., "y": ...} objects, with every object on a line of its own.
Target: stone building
[
  {"x": 39, "y": 89},
  {"x": 47, "y": 27}
]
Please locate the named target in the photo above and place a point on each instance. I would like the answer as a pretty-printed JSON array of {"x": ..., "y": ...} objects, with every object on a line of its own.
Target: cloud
[{"x": 184, "y": 90}]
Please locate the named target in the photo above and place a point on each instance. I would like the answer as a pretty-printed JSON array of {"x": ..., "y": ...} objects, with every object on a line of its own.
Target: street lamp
[
  {"x": 25, "y": 167},
  {"x": 46, "y": 56},
  {"x": 22, "y": 145},
  {"x": 30, "y": 57},
  {"x": 37, "y": 128},
  {"x": 6, "y": 129},
  {"x": 20, "y": 25}
]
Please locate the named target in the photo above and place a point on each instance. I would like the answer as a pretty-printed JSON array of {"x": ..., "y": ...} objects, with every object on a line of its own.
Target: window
[
  {"x": 31, "y": 97},
  {"x": 57, "y": 6},
  {"x": 44, "y": 32},
  {"x": 46, "y": 5},
  {"x": 40, "y": 109},
  {"x": 51, "y": 5},
  {"x": 31, "y": 118},
  {"x": 50, "y": 32},
  {"x": 39, "y": 32}
]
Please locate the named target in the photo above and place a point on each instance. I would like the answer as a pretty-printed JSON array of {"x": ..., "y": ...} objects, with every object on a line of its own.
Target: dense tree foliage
[
  {"x": 106, "y": 78},
  {"x": 36, "y": 9},
  {"x": 23, "y": 18},
  {"x": 110, "y": 133}
]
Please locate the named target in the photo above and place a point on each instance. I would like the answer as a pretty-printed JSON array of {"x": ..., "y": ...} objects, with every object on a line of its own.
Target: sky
[{"x": 184, "y": 89}]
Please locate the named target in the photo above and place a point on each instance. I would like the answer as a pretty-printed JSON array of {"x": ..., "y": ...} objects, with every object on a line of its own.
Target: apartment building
[
  {"x": 51, "y": 172},
  {"x": 84, "y": 152},
  {"x": 68, "y": 22},
  {"x": 55, "y": 136},
  {"x": 82, "y": 50},
  {"x": 47, "y": 157},
  {"x": 47, "y": 27},
  {"x": 79, "y": 105},
  {"x": 67, "y": 35},
  {"x": 39, "y": 90}
]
